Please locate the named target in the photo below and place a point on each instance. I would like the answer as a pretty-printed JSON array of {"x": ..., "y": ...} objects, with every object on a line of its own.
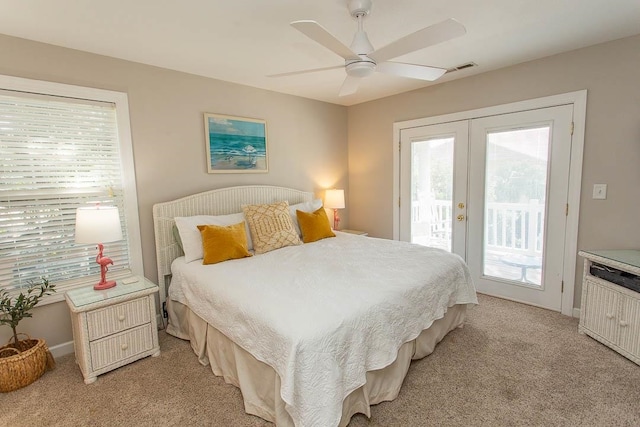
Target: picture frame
[{"x": 235, "y": 144}]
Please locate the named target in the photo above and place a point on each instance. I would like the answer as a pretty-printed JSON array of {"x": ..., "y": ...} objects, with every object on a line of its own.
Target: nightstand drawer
[
  {"x": 109, "y": 320},
  {"x": 116, "y": 348}
]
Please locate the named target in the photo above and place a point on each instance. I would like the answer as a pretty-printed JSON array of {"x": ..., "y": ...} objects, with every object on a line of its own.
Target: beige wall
[
  {"x": 306, "y": 139},
  {"x": 609, "y": 72}
]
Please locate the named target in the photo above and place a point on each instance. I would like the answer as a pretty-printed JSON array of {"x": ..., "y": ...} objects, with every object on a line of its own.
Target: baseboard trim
[
  {"x": 62, "y": 349},
  {"x": 576, "y": 312}
]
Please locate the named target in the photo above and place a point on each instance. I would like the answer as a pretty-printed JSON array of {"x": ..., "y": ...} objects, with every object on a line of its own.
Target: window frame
[{"x": 130, "y": 197}]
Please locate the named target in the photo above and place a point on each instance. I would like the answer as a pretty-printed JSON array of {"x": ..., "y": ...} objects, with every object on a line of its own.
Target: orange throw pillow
[
  {"x": 314, "y": 225},
  {"x": 223, "y": 243}
]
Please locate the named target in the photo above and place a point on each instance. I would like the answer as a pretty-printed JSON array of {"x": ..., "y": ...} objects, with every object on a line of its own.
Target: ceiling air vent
[{"x": 462, "y": 67}]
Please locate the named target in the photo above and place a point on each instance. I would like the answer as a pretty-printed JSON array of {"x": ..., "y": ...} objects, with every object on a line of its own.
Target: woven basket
[{"x": 23, "y": 362}]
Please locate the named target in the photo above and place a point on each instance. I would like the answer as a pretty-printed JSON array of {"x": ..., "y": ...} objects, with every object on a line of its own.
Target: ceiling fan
[{"x": 361, "y": 60}]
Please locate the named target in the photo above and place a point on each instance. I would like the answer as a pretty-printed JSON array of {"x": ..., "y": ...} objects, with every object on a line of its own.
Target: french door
[
  {"x": 494, "y": 191},
  {"x": 433, "y": 183}
]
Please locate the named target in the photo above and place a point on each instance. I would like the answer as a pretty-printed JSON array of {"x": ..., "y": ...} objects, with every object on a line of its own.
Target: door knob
[
  {"x": 460, "y": 205},
  {"x": 460, "y": 217}
]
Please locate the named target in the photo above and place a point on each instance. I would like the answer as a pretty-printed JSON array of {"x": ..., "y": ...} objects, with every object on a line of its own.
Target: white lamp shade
[
  {"x": 334, "y": 199},
  {"x": 98, "y": 224}
]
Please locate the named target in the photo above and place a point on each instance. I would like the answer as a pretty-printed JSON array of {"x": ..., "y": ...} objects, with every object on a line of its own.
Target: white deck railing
[{"x": 509, "y": 227}]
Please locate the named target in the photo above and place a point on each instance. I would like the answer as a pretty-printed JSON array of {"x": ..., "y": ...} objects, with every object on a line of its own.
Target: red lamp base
[{"x": 104, "y": 285}]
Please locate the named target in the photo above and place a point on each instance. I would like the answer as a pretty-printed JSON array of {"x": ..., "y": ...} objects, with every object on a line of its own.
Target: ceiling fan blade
[
  {"x": 319, "y": 34},
  {"x": 421, "y": 72},
  {"x": 437, "y": 33},
  {"x": 350, "y": 86},
  {"x": 315, "y": 70}
]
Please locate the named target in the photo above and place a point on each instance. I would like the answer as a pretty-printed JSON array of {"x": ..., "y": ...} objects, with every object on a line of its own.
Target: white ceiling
[{"x": 243, "y": 41}]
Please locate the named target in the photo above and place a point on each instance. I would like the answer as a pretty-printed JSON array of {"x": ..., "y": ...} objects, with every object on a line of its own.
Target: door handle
[
  {"x": 460, "y": 205},
  {"x": 460, "y": 217}
]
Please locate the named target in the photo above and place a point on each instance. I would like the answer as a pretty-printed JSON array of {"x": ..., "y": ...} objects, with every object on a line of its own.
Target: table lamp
[
  {"x": 334, "y": 199},
  {"x": 98, "y": 225}
]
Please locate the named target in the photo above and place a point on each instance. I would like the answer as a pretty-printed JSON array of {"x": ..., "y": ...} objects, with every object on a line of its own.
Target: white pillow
[
  {"x": 308, "y": 207},
  {"x": 191, "y": 237}
]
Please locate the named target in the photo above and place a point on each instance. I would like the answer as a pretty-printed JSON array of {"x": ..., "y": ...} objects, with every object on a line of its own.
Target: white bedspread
[{"x": 323, "y": 314}]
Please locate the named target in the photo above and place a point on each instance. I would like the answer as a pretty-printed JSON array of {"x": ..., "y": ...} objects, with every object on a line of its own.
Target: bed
[{"x": 310, "y": 333}]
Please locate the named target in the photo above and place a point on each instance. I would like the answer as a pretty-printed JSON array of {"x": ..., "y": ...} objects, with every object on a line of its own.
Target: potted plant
[{"x": 22, "y": 361}]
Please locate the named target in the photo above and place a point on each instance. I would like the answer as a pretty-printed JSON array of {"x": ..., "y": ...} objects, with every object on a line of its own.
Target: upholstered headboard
[{"x": 215, "y": 202}]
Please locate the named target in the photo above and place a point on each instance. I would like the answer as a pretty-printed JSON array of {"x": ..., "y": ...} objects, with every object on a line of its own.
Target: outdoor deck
[{"x": 513, "y": 234}]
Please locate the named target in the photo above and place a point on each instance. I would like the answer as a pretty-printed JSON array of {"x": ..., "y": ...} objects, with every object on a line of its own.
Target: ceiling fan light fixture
[{"x": 363, "y": 68}]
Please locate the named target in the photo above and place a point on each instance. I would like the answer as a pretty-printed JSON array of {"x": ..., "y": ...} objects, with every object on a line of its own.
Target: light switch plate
[{"x": 600, "y": 191}]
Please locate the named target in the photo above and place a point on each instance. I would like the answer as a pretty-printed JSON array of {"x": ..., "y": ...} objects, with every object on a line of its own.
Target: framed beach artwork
[{"x": 235, "y": 144}]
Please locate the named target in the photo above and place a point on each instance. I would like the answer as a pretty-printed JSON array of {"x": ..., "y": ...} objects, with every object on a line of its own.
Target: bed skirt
[{"x": 260, "y": 385}]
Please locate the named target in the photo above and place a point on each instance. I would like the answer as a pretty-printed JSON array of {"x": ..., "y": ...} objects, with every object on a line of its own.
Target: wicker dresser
[
  {"x": 610, "y": 313},
  {"x": 113, "y": 327}
]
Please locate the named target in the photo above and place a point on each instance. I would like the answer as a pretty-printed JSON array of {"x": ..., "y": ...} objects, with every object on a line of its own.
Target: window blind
[{"x": 56, "y": 154}]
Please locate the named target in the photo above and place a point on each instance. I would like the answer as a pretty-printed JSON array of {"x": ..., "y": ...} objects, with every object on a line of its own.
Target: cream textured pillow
[{"x": 271, "y": 226}]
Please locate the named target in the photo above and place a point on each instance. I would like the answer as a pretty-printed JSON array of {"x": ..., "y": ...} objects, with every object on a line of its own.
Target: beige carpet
[{"x": 510, "y": 365}]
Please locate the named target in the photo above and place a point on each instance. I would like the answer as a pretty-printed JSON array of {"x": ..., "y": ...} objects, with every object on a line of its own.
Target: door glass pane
[
  {"x": 514, "y": 209},
  {"x": 432, "y": 192}
]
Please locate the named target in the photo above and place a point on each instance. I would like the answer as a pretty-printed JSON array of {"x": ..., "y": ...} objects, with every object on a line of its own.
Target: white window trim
[{"x": 121, "y": 101}]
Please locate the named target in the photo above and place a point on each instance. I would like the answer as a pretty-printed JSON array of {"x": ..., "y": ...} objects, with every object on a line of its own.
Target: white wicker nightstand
[{"x": 114, "y": 327}]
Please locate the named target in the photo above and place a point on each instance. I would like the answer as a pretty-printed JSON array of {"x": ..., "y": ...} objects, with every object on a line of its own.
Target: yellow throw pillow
[
  {"x": 314, "y": 225},
  {"x": 223, "y": 243},
  {"x": 271, "y": 226}
]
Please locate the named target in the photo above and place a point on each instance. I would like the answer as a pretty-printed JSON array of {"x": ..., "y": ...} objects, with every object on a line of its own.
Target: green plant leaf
[{"x": 13, "y": 310}]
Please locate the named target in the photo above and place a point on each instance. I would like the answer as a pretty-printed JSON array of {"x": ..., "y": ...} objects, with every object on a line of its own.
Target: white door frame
[
  {"x": 460, "y": 133},
  {"x": 579, "y": 101}
]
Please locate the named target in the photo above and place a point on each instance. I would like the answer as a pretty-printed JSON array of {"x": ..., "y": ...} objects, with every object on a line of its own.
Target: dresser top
[
  {"x": 88, "y": 296},
  {"x": 629, "y": 257}
]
